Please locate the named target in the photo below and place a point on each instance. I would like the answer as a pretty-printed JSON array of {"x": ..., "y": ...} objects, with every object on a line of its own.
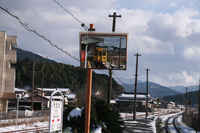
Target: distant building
[
  {"x": 96, "y": 93},
  {"x": 171, "y": 105},
  {"x": 45, "y": 94},
  {"x": 126, "y": 100},
  {"x": 7, "y": 74}
]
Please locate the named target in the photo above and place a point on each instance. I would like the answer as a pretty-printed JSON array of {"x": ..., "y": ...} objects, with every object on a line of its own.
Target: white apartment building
[{"x": 7, "y": 74}]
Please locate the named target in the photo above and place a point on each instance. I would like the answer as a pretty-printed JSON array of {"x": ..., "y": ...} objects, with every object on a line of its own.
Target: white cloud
[
  {"x": 192, "y": 53},
  {"x": 189, "y": 52},
  {"x": 172, "y": 4},
  {"x": 165, "y": 38},
  {"x": 182, "y": 78}
]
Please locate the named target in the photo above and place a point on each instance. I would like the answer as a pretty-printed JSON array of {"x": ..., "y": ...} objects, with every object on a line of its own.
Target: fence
[
  {"x": 9, "y": 118},
  {"x": 190, "y": 118},
  {"x": 127, "y": 113}
]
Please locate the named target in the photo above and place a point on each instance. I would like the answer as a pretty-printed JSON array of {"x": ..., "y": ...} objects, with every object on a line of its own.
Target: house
[
  {"x": 171, "y": 105},
  {"x": 44, "y": 94},
  {"x": 126, "y": 100},
  {"x": 7, "y": 74},
  {"x": 72, "y": 99},
  {"x": 49, "y": 91},
  {"x": 160, "y": 103},
  {"x": 96, "y": 93}
]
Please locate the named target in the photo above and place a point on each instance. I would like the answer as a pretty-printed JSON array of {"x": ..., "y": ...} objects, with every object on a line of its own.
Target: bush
[{"x": 101, "y": 115}]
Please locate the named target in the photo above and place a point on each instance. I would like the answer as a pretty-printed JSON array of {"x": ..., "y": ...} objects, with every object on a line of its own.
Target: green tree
[{"x": 101, "y": 114}]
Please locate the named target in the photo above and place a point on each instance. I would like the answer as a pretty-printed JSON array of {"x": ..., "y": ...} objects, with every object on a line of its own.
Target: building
[
  {"x": 44, "y": 94},
  {"x": 7, "y": 74},
  {"x": 126, "y": 100},
  {"x": 96, "y": 93}
]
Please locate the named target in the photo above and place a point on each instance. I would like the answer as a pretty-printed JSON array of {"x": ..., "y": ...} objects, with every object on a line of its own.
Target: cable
[
  {"x": 123, "y": 82},
  {"x": 29, "y": 28},
  {"x": 123, "y": 22},
  {"x": 82, "y": 24}
]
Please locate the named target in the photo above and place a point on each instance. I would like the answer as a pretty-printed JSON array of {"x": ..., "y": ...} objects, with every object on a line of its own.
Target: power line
[
  {"x": 29, "y": 28},
  {"x": 123, "y": 82},
  {"x": 82, "y": 24}
]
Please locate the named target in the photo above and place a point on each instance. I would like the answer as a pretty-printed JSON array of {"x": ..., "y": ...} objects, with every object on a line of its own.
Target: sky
[{"x": 165, "y": 33}]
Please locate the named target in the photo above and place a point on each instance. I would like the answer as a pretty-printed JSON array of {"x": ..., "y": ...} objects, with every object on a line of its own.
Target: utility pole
[
  {"x": 186, "y": 101},
  {"x": 42, "y": 94},
  {"x": 110, "y": 71},
  {"x": 33, "y": 83},
  {"x": 199, "y": 108},
  {"x": 147, "y": 94},
  {"x": 134, "y": 115},
  {"x": 114, "y": 20}
]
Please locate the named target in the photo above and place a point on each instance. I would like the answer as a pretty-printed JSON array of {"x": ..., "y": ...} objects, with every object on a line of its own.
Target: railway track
[{"x": 171, "y": 124}]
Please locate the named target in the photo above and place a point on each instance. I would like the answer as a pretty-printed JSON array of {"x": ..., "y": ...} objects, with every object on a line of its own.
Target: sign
[
  {"x": 103, "y": 50},
  {"x": 82, "y": 56},
  {"x": 56, "y": 116}
]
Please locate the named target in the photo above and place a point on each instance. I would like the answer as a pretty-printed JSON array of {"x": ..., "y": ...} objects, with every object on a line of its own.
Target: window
[{"x": 104, "y": 52}]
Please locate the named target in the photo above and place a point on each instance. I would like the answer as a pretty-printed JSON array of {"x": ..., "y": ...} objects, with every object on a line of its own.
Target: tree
[{"x": 101, "y": 114}]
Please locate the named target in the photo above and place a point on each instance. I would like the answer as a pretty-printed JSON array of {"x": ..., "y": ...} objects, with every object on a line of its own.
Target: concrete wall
[{"x": 7, "y": 74}]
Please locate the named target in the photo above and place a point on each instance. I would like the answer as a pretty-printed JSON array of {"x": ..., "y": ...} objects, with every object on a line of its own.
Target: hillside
[
  {"x": 155, "y": 90},
  {"x": 182, "y": 89},
  {"x": 23, "y": 54},
  {"x": 58, "y": 75},
  {"x": 181, "y": 98}
]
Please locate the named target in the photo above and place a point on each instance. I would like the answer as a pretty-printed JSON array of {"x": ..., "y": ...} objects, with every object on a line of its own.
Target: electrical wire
[
  {"x": 29, "y": 28},
  {"x": 82, "y": 24},
  {"x": 123, "y": 82}
]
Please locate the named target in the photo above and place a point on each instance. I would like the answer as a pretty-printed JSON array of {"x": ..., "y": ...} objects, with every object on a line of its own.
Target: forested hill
[
  {"x": 23, "y": 54},
  {"x": 192, "y": 97},
  {"x": 62, "y": 76}
]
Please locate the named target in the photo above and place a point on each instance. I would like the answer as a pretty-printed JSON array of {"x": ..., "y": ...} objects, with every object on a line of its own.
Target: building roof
[
  {"x": 126, "y": 100},
  {"x": 53, "y": 89},
  {"x": 131, "y": 95},
  {"x": 70, "y": 96},
  {"x": 19, "y": 90},
  {"x": 54, "y": 97},
  {"x": 112, "y": 102}
]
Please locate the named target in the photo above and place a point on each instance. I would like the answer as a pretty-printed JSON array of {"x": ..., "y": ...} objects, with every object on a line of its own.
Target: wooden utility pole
[
  {"x": 114, "y": 20},
  {"x": 42, "y": 94},
  {"x": 186, "y": 101},
  {"x": 199, "y": 108},
  {"x": 110, "y": 71},
  {"x": 147, "y": 98},
  {"x": 33, "y": 83},
  {"x": 135, "y": 93}
]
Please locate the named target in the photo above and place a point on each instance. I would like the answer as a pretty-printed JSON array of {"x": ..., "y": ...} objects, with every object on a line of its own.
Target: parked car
[{"x": 24, "y": 111}]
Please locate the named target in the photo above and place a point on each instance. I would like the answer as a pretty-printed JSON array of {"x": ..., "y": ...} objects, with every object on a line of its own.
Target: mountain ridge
[{"x": 154, "y": 89}]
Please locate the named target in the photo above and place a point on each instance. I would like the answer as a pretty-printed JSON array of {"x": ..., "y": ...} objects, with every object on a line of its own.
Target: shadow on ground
[{"x": 138, "y": 126}]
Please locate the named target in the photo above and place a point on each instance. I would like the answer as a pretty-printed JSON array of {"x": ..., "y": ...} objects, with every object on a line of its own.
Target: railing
[{"x": 9, "y": 118}]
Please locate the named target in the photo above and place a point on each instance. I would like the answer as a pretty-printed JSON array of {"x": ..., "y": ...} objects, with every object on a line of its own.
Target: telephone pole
[
  {"x": 199, "y": 107},
  {"x": 135, "y": 93},
  {"x": 42, "y": 93},
  {"x": 33, "y": 83},
  {"x": 110, "y": 71},
  {"x": 186, "y": 101},
  {"x": 114, "y": 20},
  {"x": 147, "y": 94}
]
